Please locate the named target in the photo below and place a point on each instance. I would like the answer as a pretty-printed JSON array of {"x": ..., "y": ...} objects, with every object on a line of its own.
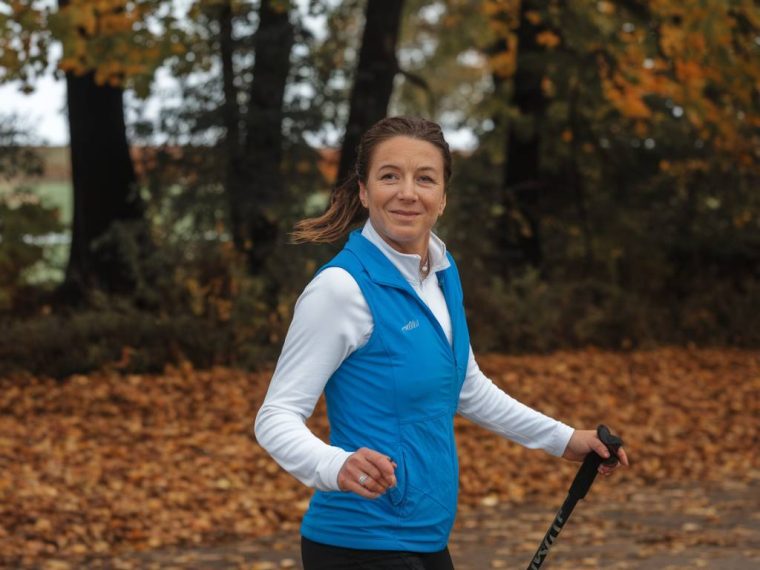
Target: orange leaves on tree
[
  {"x": 112, "y": 39},
  {"x": 533, "y": 17},
  {"x": 548, "y": 88},
  {"x": 503, "y": 63},
  {"x": 712, "y": 71},
  {"x": 696, "y": 57},
  {"x": 626, "y": 98},
  {"x": 506, "y": 10},
  {"x": 503, "y": 19},
  {"x": 107, "y": 37},
  {"x": 548, "y": 39},
  {"x": 23, "y": 42}
]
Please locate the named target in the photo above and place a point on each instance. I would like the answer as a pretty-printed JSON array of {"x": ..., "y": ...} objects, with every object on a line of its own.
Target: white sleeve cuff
[
  {"x": 329, "y": 467},
  {"x": 559, "y": 439}
]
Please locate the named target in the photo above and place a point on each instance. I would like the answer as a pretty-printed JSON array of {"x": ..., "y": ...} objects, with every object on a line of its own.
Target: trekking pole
[{"x": 581, "y": 484}]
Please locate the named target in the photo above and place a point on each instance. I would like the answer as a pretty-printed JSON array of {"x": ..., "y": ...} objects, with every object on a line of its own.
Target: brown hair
[{"x": 345, "y": 208}]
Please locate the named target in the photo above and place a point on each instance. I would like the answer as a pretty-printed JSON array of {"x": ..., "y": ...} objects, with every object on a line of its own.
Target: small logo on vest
[{"x": 411, "y": 325}]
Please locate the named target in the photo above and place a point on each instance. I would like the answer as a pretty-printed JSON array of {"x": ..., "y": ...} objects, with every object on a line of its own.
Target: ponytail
[{"x": 345, "y": 211}]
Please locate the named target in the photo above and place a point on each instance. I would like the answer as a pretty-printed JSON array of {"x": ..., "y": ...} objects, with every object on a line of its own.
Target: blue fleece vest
[{"x": 398, "y": 395}]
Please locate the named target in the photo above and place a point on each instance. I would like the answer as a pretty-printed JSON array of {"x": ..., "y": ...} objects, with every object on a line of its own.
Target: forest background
[
  {"x": 605, "y": 219},
  {"x": 610, "y": 197}
]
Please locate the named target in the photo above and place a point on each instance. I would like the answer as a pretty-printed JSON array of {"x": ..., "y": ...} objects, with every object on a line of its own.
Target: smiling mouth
[{"x": 405, "y": 214}]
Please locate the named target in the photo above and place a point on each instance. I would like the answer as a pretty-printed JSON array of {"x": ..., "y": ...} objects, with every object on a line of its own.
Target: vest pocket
[
  {"x": 397, "y": 494},
  {"x": 427, "y": 471},
  {"x": 409, "y": 497}
]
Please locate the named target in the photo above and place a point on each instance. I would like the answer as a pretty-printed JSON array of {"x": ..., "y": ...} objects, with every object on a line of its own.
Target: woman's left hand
[{"x": 582, "y": 442}]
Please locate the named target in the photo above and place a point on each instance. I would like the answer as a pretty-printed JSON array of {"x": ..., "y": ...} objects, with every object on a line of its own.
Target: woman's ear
[
  {"x": 443, "y": 205},
  {"x": 362, "y": 193}
]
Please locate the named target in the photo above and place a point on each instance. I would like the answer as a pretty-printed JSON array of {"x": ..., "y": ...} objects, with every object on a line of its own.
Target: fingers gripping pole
[{"x": 578, "y": 490}]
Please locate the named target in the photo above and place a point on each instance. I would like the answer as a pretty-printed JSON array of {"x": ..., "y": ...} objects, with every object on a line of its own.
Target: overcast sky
[{"x": 42, "y": 110}]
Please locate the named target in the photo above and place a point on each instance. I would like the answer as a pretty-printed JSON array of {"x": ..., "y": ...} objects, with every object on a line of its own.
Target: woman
[{"x": 381, "y": 330}]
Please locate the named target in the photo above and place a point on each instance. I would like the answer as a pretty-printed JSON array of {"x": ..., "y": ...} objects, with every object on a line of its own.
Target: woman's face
[{"x": 404, "y": 192}]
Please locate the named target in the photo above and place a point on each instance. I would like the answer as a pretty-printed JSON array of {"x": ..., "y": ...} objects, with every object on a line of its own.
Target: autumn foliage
[{"x": 102, "y": 464}]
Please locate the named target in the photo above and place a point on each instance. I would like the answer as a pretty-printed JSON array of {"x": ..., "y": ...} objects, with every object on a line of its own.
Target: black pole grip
[
  {"x": 613, "y": 443},
  {"x": 587, "y": 472}
]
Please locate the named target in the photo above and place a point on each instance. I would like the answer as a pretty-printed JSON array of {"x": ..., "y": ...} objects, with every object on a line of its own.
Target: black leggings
[{"x": 318, "y": 556}]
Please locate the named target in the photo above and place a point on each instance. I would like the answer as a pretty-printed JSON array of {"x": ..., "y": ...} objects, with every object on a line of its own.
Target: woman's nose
[{"x": 408, "y": 191}]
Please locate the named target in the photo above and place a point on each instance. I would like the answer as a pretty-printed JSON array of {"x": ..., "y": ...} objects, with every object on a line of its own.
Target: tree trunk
[
  {"x": 254, "y": 221},
  {"x": 373, "y": 83},
  {"x": 522, "y": 181},
  {"x": 105, "y": 191},
  {"x": 235, "y": 170}
]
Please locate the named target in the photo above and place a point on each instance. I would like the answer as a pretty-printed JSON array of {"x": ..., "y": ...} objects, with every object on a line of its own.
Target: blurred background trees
[{"x": 608, "y": 197}]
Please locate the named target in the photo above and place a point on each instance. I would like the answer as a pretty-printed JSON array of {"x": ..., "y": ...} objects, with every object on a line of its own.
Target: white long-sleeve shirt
[{"x": 331, "y": 320}]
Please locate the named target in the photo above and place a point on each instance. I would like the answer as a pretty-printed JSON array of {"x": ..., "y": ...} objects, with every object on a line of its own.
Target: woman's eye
[
  {"x": 426, "y": 179},
  {"x": 387, "y": 176}
]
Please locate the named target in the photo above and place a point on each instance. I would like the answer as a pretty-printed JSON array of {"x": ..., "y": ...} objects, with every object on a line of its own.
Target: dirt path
[{"x": 655, "y": 528}]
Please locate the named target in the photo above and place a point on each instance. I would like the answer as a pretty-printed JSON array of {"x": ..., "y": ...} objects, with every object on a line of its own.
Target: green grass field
[
  {"x": 54, "y": 186},
  {"x": 57, "y": 195}
]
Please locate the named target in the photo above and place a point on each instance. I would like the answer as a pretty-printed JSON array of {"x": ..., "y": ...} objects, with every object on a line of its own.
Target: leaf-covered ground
[{"x": 105, "y": 466}]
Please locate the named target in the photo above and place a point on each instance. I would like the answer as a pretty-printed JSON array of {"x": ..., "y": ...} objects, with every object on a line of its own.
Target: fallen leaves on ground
[{"x": 107, "y": 463}]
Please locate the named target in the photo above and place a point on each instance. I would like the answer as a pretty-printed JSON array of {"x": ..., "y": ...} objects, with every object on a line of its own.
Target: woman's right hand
[{"x": 378, "y": 469}]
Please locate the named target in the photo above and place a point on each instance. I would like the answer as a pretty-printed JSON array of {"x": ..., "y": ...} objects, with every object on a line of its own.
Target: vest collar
[
  {"x": 381, "y": 270},
  {"x": 406, "y": 264}
]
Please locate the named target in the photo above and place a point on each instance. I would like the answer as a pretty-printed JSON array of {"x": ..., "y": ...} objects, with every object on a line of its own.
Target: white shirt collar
[{"x": 409, "y": 263}]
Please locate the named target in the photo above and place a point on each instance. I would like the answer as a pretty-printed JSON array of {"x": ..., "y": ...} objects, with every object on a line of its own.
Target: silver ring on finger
[{"x": 363, "y": 479}]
